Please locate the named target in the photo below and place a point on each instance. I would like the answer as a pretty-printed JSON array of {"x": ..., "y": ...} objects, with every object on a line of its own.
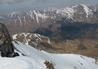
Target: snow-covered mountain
[
  {"x": 28, "y": 37},
  {"x": 31, "y": 20},
  {"x": 78, "y": 13},
  {"x": 30, "y": 58}
]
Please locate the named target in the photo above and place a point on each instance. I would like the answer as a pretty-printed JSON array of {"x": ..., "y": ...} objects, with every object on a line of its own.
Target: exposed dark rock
[
  {"x": 35, "y": 40},
  {"x": 49, "y": 65},
  {"x": 6, "y": 46}
]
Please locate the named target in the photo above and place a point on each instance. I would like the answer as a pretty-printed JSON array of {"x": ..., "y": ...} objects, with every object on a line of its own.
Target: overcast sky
[{"x": 12, "y": 5}]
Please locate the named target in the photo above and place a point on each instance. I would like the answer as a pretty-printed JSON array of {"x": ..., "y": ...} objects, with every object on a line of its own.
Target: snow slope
[{"x": 31, "y": 58}]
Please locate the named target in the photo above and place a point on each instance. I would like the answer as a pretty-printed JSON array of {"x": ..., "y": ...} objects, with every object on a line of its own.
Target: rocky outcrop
[
  {"x": 36, "y": 40},
  {"x": 6, "y": 46}
]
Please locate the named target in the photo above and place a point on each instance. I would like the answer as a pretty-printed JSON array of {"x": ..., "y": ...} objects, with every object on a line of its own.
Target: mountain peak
[{"x": 83, "y": 9}]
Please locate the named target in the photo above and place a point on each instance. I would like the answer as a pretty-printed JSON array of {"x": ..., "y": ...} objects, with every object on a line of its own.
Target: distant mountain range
[
  {"x": 29, "y": 21},
  {"x": 80, "y": 13},
  {"x": 53, "y": 22}
]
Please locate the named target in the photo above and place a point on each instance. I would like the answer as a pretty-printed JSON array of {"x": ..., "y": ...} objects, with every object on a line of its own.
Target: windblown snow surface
[{"x": 30, "y": 58}]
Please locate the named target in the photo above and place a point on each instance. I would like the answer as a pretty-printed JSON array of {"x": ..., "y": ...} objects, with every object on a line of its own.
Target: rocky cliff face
[
  {"x": 36, "y": 40},
  {"x": 6, "y": 46}
]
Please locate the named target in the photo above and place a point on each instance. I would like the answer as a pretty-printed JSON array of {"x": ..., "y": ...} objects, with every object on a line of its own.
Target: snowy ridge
[
  {"x": 31, "y": 37},
  {"x": 34, "y": 15},
  {"x": 41, "y": 16},
  {"x": 83, "y": 7},
  {"x": 68, "y": 12},
  {"x": 87, "y": 10},
  {"x": 34, "y": 59}
]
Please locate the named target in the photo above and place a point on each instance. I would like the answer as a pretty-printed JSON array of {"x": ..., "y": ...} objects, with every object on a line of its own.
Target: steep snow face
[
  {"x": 83, "y": 9},
  {"x": 67, "y": 12},
  {"x": 35, "y": 59},
  {"x": 88, "y": 11},
  {"x": 34, "y": 15},
  {"x": 39, "y": 15}
]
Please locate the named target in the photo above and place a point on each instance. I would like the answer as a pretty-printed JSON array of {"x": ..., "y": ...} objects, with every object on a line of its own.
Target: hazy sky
[{"x": 12, "y": 5}]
